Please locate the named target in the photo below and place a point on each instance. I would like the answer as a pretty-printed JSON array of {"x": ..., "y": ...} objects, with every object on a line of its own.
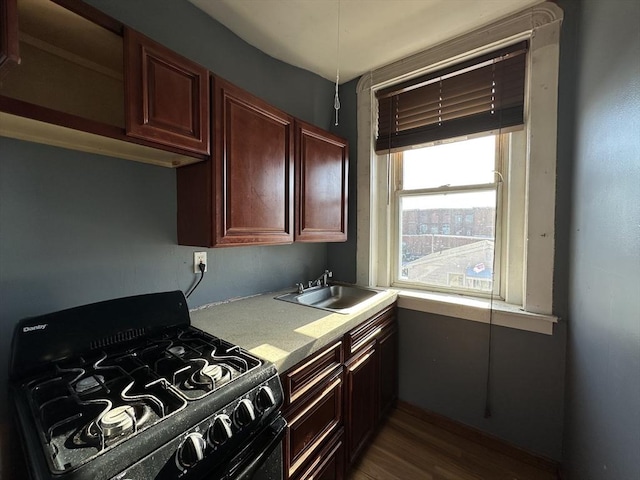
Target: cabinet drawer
[
  {"x": 311, "y": 372},
  {"x": 312, "y": 422},
  {"x": 329, "y": 463},
  {"x": 368, "y": 331}
]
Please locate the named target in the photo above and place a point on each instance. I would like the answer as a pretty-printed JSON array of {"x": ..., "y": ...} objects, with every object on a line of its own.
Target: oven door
[
  {"x": 261, "y": 459},
  {"x": 258, "y": 459}
]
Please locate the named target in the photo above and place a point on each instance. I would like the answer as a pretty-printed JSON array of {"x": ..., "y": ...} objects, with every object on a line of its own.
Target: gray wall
[
  {"x": 443, "y": 368},
  {"x": 602, "y": 433},
  {"x": 78, "y": 228},
  {"x": 342, "y": 256}
]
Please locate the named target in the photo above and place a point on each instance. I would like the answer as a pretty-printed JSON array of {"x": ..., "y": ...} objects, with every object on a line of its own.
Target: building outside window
[{"x": 445, "y": 182}]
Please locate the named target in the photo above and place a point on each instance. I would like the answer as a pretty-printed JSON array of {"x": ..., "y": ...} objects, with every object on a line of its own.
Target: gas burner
[
  {"x": 217, "y": 373},
  {"x": 209, "y": 377},
  {"x": 89, "y": 384},
  {"x": 115, "y": 423},
  {"x": 178, "y": 351},
  {"x": 118, "y": 420}
]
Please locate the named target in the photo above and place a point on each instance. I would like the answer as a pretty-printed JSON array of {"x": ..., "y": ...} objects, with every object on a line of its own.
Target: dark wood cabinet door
[
  {"x": 388, "y": 362},
  {"x": 253, "y": 159},
  {"x": 329, "y": 464},
  {"x": 167, "y": 96},
  {"x": 322, "y": 163},
  {"x": 361, "y": 413},
  {"x": 9, "y": 43}
]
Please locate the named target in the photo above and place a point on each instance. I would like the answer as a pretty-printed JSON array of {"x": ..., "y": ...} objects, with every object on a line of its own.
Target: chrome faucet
[{"x": 321, "y": 281}]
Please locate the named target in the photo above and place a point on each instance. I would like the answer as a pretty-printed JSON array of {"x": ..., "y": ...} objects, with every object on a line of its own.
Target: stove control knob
[
  {"x": 244, "y": 413},
  {"x": 220, "y": 430},
  {"x": 264, "y": 398},
  {"x": 191, "y": 451}
]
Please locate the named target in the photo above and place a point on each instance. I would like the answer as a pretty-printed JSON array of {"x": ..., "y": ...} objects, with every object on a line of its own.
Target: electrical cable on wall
[{"x": 202, "y": 267}]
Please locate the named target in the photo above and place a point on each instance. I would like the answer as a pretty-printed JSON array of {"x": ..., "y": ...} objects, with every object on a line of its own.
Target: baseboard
[{"x": 478, "y": 436}]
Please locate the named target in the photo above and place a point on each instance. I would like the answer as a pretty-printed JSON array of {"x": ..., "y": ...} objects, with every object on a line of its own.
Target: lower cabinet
[
  {"x": 329, "y": 463},
  {"x": 371, "y": 385},
  {"x": 336, "y": 398},
  {"x": 361, "y": 400}
]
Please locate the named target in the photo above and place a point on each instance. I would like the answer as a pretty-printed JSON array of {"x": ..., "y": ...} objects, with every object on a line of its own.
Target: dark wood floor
[{"x": 411, "y": 448}]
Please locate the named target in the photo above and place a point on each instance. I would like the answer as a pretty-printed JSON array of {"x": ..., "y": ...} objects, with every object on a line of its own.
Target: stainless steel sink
[{"x": 334, "y": 298}]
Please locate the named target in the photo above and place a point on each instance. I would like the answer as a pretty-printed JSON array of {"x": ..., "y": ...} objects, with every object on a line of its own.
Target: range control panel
[{"x": 214, "y": 441}]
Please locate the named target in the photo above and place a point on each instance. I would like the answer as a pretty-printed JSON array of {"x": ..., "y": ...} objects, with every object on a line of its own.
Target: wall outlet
[{"x": 197, "y": 258}]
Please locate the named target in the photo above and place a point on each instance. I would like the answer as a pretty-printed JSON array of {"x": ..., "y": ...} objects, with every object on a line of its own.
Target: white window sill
[{"x": 481, "y": 310}]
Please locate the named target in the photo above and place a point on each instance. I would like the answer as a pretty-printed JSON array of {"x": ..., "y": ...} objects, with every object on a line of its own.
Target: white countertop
[{"x": 281, "y": 332}]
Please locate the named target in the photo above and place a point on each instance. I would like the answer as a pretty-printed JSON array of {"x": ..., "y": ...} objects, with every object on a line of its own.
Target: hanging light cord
[{"x": 336, "y": 99}]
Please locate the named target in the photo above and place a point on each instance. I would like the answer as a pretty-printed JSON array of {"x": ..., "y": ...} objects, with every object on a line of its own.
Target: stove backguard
[{"x": 40, "y": 341}]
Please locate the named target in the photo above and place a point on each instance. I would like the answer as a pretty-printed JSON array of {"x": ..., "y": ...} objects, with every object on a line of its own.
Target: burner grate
[{"x": 96, "y": 401}]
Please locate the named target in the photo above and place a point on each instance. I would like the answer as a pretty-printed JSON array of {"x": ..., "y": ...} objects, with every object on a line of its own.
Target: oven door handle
[{"x": 264, "y": 446}]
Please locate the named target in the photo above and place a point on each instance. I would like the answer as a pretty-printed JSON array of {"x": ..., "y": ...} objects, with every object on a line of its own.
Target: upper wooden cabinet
[
  {"x": 244, "y": 196},
  {"x": 69, "y": 88},
  {"x": 9, "y": 44},
  {"x": 167, "y": 96},
  {"x": 98, "y": 86},
  {"x": 322, "y": 163},
  {"x": 254, "y": 168}
]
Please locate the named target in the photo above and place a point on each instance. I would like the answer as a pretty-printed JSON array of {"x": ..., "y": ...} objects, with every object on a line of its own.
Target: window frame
[{"x": 534, "y": 310}]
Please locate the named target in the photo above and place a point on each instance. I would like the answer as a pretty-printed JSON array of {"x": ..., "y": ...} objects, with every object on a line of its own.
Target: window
[
  {"x": 520, "y": 257},
  {"x": 444, "y": 183}
]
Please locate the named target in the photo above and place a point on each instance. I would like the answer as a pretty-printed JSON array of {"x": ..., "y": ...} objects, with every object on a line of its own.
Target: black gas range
[{"x": 127, "y": 389}]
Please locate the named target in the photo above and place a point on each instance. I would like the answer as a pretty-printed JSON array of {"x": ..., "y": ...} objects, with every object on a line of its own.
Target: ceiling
[{"x": 372, "y": 33}]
